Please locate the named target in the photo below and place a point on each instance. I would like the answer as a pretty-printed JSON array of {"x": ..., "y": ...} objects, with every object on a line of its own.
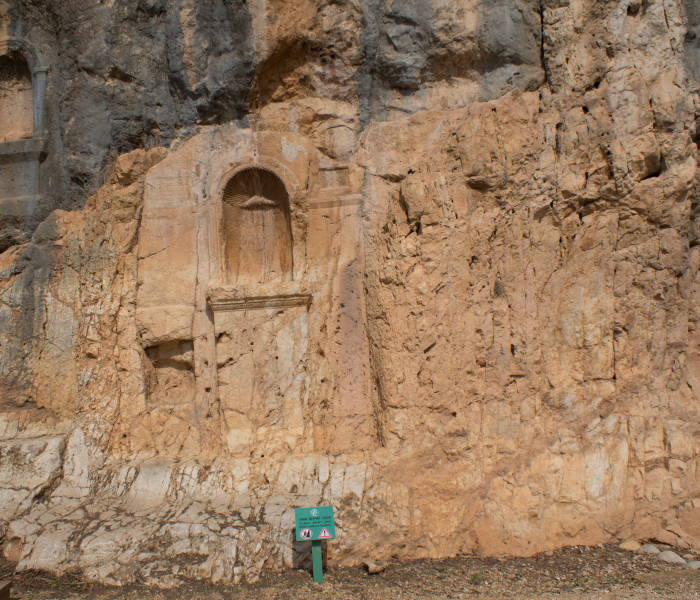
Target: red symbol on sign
[{"x": 324, "y": 534}]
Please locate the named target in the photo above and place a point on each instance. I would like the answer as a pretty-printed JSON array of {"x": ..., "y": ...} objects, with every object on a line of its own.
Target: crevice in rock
[{"x": 543, "y": 57}]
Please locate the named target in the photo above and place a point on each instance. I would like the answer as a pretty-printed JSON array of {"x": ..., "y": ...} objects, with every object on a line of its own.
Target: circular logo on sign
[
  {"x": 305, "y": 534},
  {"x": 314, "y": 512}
]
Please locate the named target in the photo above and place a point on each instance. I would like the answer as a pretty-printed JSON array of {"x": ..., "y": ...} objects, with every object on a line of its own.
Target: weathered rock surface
[
  {"x": 671, "y": 557},
  {"x": 432, "y": 262}
]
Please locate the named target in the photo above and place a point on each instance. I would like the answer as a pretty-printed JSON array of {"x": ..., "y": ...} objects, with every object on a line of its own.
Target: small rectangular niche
[
  {"x": 334, "y": 189},
  {"x": 171, "y": 379},
  {"x": 334, "y": 177},
  {"x": 224, "y": 297}
]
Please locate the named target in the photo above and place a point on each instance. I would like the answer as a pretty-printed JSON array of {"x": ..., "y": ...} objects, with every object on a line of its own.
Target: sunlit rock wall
[{"x": 432, "y": 262}]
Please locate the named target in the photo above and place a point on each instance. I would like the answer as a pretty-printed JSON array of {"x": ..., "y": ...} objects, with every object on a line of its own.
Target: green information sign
[{"x": 315, "y": 524}]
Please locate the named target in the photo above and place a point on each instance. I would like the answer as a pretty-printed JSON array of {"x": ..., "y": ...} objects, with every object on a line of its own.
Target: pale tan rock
[
  {"x": 630, "y": 545},
  {"x": 671, "y": 557},
  {"x": 374, "y": 568}
]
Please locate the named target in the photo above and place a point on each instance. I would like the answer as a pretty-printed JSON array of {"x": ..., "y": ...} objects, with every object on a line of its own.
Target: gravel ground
[{"x": 568, "y": 574}]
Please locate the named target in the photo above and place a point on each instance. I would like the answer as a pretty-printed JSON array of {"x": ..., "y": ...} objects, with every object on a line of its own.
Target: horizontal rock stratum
[{"x": 433, "y": 262}]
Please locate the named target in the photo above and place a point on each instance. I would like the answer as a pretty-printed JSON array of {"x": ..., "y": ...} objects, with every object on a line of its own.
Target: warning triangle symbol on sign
[{"x": 324, "y": 534}]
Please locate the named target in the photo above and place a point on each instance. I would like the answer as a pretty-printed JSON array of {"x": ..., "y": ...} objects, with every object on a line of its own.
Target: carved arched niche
[
  {"x": 256, "y": 228},
  {"x": 16, "y": 98},
  {"x": 23, "y": 140}
]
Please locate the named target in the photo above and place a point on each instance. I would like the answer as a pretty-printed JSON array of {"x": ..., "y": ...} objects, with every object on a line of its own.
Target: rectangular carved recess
[
  {"x": 278, "y": 295},
  {"x": 171, "y": 377},
  {"x": 334, "y": 189}
]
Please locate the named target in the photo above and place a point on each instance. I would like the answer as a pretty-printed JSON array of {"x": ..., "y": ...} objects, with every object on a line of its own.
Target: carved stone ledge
[
  {"x": 330, "y": 197},
  {"x": 224, "y": 297},
  {"x": 19, "y": 174},
  {"x": 29, "y": 149}
]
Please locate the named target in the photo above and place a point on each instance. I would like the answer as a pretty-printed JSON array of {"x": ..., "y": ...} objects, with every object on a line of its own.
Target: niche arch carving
[
  {"x": 256, "y": 228},
  {"x": 23, "y": 84},
  {"x": 16, "y": 104},
  {"x": 24, "y": 144},
  {"x": 259, "y": 237}
]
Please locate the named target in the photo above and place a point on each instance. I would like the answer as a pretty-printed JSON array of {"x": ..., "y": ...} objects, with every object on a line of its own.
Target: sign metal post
[
  {"x": 317, "y": 558},
  {"x": 315, "y": 524}
]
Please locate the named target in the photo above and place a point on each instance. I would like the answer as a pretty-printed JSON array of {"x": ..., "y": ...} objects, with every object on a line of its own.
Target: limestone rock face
[{"x": 432, "y": 262}]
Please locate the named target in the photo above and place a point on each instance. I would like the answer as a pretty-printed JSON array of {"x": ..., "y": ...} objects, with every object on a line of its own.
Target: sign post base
[{"x": 317, "y": 557}]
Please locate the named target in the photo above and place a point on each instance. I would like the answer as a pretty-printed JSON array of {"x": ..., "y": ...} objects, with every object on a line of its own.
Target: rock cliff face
[{"x": 434, "y": 262}]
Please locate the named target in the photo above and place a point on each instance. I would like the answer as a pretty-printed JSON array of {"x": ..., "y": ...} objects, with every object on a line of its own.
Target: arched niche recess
[
  {"x": 256, "y": 228},
  {"x": 23, "y": 74},
  {"x": 16, "y": 98}
]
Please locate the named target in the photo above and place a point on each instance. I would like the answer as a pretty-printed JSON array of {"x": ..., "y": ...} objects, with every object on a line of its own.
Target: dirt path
[{"x": 569, "y": 574}]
